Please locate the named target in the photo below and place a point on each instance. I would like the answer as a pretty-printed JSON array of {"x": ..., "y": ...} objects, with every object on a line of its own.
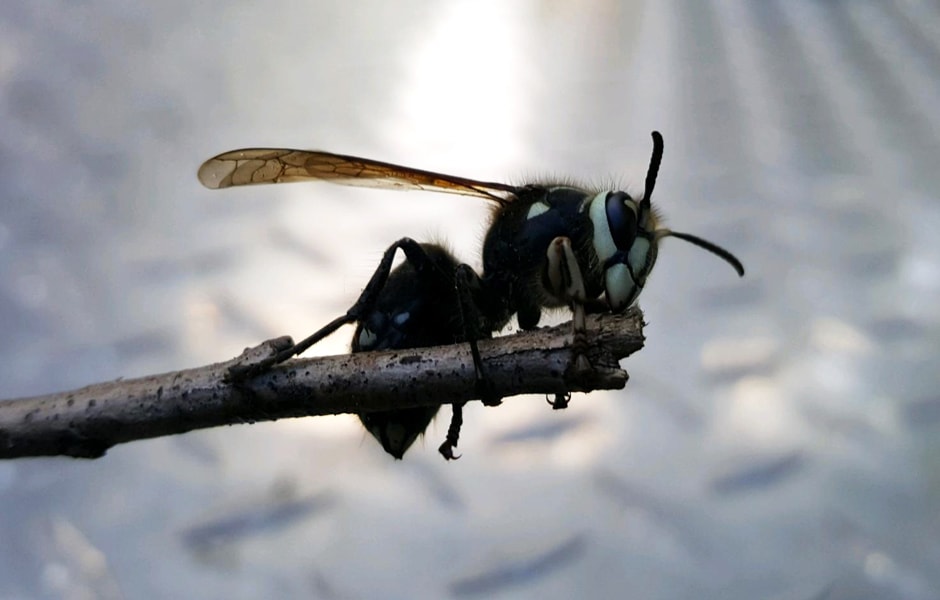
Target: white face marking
[
  {"x": 537, "y": 209},
  {"x": 603, "y": 242},
  {"x": 401, "y": 318},
  {"x": 637, "y": 256},
  {"x": 621, "y": 289},
  {"x": 620, "y": 286},
  {"x": 367, "y": 339}
]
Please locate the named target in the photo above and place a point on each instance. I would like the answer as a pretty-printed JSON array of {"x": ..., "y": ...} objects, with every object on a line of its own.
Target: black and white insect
[{"x": 547, "y": 246}]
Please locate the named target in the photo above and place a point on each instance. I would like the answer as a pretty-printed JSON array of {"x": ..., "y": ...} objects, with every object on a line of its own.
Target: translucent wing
[{"x": 281, "y": 165}]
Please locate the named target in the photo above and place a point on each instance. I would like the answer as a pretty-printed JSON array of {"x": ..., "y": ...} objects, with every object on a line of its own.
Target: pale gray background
[{"x": 780, "y": 436}]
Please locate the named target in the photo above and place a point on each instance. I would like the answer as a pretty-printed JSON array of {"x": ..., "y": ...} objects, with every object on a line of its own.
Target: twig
[{"x": 84, "y": 423}]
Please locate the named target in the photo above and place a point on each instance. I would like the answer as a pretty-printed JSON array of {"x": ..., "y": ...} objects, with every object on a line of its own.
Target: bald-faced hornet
[{"x": 547, "y": 246}]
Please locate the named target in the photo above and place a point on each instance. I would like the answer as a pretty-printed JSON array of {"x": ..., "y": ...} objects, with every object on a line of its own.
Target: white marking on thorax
[{"x": 537, "y": 208}]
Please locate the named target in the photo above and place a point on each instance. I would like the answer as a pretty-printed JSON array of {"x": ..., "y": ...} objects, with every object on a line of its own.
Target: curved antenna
[
  {"x": 715, "y": 249},
  {"x": 652, "y": 172}
]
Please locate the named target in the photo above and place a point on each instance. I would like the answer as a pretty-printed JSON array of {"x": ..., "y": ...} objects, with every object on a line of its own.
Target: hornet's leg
[
  {"x": 468, "y": 282},
  {"x": 567, "y": 283},
  {"x": 453, "y": 433},
  {"x": 413, "y": 252}
]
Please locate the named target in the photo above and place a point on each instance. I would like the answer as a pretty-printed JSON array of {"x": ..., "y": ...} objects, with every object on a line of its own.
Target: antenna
[
  {"x": 652, "y": 172},
  {"x": 715, "y": 249}
]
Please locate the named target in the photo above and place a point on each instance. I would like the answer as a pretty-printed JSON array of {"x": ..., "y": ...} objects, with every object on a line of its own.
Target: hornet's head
[{"x": 626, "y": 238}]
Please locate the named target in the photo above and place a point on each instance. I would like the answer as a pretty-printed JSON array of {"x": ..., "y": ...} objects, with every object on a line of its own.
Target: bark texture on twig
[{"x": 84, "y": 423}]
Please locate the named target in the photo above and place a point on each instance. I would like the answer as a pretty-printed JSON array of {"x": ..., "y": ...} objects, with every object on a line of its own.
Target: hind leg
[{"x": 366, "y": 302}]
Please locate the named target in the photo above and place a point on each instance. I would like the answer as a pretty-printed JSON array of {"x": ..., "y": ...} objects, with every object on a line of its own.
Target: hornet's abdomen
[{"x": 415, "y": 310}]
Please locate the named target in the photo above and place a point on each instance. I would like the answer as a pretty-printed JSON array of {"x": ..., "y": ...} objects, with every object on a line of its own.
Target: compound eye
[{"x": 621, "y": 219}]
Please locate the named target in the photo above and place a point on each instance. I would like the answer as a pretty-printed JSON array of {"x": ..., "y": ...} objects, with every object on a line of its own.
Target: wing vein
[{"x": 251, "y": 166}]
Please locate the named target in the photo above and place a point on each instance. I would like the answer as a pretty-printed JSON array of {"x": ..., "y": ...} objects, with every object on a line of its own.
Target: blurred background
[{"x": 779, "y": 437}]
